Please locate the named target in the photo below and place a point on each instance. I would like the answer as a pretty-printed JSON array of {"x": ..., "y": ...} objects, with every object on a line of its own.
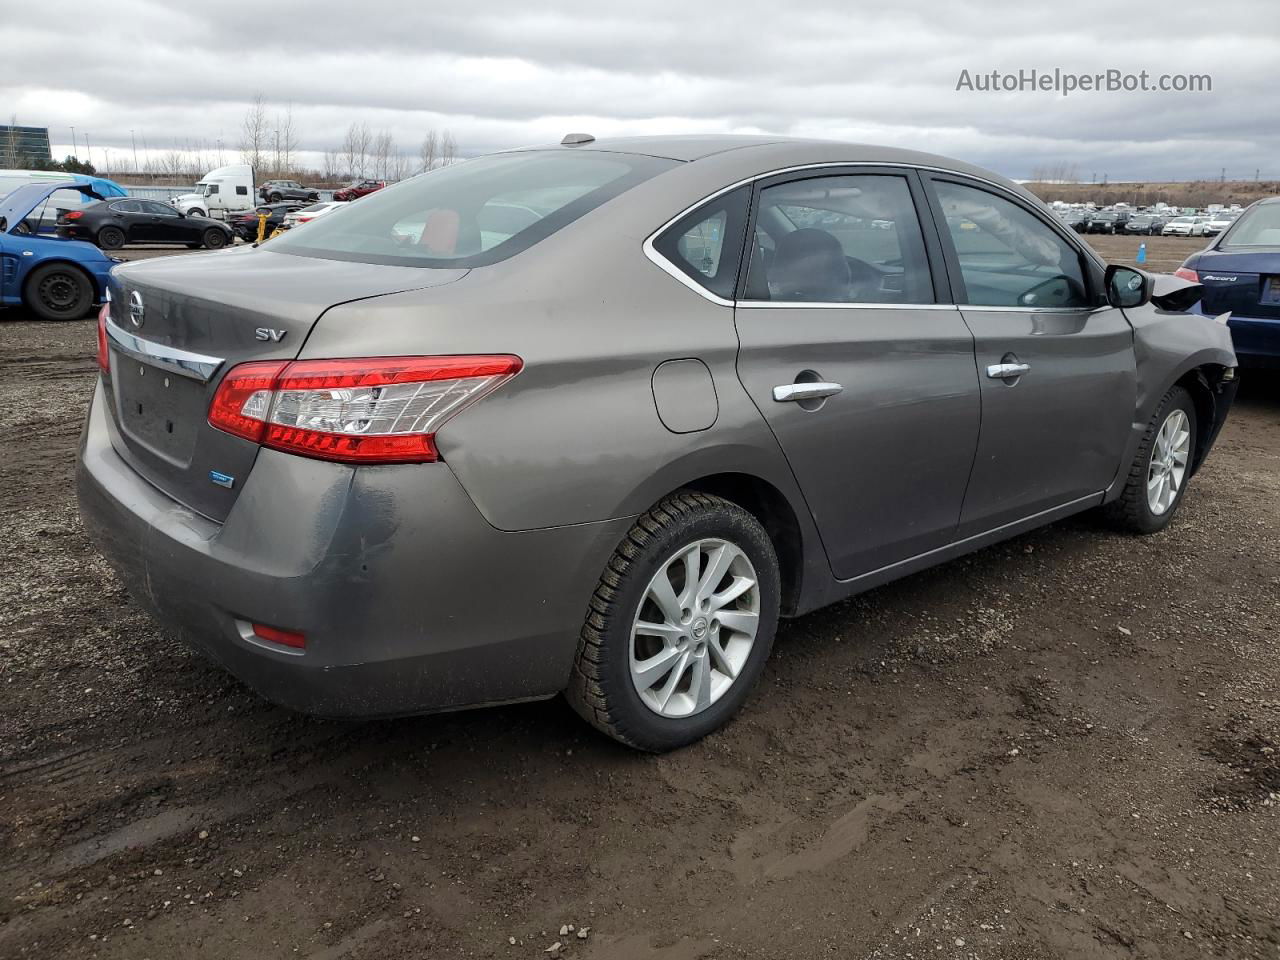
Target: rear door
[
  {"x": 1056, "y": 368},
  {"x": 859, "y": 364}
]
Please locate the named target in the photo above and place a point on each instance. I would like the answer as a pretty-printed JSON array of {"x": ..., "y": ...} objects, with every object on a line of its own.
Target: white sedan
[
  {"x": 306, "y": 214},
  {"x": 1184, "y": 227}
]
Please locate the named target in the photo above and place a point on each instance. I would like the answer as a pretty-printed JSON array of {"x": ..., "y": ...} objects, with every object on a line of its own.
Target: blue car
[
  {"x": 56, "y": 279},
  {"x": 1240, "y": 273}
]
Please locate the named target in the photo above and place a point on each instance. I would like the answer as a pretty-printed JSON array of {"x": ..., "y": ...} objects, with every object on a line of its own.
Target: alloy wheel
[
  {"x": 1168, "y": 467},
  {"x": 695, "y": 627}
]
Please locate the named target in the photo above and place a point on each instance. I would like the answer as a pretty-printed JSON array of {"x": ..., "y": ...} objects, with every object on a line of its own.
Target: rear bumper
[
  {"x": 1256, "y": 340},
  {"x": 409, "y": 600}
]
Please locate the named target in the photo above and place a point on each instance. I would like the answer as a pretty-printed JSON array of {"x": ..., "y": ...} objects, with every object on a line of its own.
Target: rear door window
[{"x": 841, "y": 239}]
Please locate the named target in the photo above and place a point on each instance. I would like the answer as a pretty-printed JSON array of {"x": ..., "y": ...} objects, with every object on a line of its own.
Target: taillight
[
  {"x": 104, "y": 358},
  {"x": 369, "y": 410},
  {"x": 1187, "y": 274},
  {"x": 286, "y": 638},
  {"x": 73, "y": 215}
]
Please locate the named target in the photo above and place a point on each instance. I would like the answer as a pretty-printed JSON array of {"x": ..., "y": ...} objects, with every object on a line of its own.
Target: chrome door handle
[
  {"x": 806, "y": 391},
  {"x": 1004, "y": 371}
]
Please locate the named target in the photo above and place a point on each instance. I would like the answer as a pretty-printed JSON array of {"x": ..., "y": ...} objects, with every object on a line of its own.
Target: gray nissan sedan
[{"x": 590, "y": 418}]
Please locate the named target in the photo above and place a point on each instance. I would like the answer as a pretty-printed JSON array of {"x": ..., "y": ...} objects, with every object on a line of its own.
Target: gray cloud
[{"x": 503, "y": 73}]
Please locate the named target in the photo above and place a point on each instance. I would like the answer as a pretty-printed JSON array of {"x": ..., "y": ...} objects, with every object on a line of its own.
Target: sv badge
[{"x": 267, "y": 333}]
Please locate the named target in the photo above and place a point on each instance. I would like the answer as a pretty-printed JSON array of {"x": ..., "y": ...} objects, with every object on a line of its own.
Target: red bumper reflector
[{"x": 286, "y": 638}]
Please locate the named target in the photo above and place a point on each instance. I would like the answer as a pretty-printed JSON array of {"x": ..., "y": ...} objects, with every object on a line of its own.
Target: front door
[
  {"x": 862, "y": 369},
  {"x": 1056, "y": 365},
  {"x": 163, "y": 223}
]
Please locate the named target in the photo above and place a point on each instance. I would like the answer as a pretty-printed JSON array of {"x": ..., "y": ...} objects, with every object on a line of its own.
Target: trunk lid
[
  {"x": 1246, "y": 282},
  {"x": 178, "y": 324}
]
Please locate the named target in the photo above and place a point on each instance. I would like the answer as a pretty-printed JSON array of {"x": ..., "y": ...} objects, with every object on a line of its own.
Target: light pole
[
  {"x": 135, "y": 151},
  {"x": 75, "y": 147}
]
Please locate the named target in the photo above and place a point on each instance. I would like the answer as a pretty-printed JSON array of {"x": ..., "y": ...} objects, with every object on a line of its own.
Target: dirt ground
[{"x": 1062, "y": 746}]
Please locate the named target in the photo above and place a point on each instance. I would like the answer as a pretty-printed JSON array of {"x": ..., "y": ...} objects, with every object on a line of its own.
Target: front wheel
[
  {"x": 195, "y": 212},
  {"x": 680, "y": 625},
  {"x": 1161, "y": 468},
  {"x": 58, "y": 292},
  {"x": 214, "y": 238}
]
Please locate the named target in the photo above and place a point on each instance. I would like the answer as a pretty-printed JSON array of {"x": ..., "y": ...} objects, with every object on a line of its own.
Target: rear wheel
[
  {"x": 111, "y": 238},
  {"x": 680, "y": 625},
  {"x": 214, "y": 238},
  {"x": 58, "y": 291},
  {"x": 1158, "y": 477}
]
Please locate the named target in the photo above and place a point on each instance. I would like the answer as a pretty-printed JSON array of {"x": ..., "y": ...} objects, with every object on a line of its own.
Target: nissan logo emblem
[{"x": 137, "y": 312}]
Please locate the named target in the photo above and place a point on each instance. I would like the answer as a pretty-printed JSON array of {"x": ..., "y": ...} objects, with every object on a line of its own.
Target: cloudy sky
[{"x": 501, "y": 73}]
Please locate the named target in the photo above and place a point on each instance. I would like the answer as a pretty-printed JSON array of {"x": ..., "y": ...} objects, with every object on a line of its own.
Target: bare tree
[
  {"x": 331, "y": 163},
  {"x": 284, "y": 141},
  {"x": 355, "y": 149},
  {"x": 384, "y": 145},
  {"x": 1058, "y": 172},
  {"x": 398, "y": 167},
  {"x": 429, "y": 152},
  {"x": 448, "y": 149},
  {"x": 253, "y": 134}
]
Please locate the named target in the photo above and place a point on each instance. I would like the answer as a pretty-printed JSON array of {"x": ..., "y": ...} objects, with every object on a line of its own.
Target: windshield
[
  {"x": 202, "y": 189},
  {"x": 1257, "y": 227},
  {"x": 475, "y": 213}
]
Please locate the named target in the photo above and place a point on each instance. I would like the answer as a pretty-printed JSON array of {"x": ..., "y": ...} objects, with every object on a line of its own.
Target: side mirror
[{"x": 1126, "y": 287}]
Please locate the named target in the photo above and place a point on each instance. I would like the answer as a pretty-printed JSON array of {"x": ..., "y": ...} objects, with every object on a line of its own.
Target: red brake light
[
  {"x": 1187, "y": 274},
  {"x": 368, "y": 410},
  {"x": 73, "y": 215},
  {"x": 104, "y": 357},
  {"x": 287, "y": 638},
  {"x": 243, "y": 399}
]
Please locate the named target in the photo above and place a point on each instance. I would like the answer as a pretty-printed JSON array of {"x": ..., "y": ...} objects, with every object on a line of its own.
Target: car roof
[{"x": 753, "y": 155}]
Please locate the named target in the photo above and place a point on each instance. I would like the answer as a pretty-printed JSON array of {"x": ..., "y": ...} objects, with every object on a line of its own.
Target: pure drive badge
[{"x": 222, "y": 479}]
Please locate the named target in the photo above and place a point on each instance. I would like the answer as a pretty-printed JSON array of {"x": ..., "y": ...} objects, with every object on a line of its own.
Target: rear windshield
[
  {"x": 475, "y": 213},
  {"x": 1258, "y": 227}
]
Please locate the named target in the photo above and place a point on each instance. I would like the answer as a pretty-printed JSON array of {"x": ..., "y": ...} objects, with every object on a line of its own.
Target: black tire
[
  {"x": 214, "y": 239},
  {"x": 275, "y": 198},
  {"x": 111, "y": 238},
  {"x": 197, "y": 212},
  {"x": 58, "y": 291},
  {"x": 1132, "y": 511},
  {"x": 600, "y": 687}
]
